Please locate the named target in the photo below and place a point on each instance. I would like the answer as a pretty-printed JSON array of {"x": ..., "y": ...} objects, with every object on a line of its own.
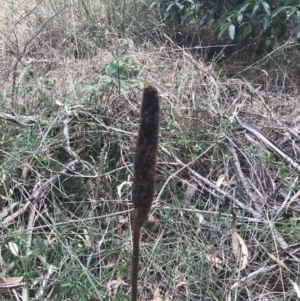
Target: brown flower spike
[{"x": 143, "y": 187}]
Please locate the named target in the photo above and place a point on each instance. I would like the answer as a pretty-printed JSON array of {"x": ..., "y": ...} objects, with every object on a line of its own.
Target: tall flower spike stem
[{"x": 143, "y": 187}]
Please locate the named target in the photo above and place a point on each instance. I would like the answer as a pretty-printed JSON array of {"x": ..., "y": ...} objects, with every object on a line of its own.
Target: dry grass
[{"x": 68, "y": 132}]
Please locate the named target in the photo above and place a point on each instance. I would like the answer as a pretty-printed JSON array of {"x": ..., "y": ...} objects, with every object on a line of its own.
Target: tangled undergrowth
[{"x": 225, "y": 220}]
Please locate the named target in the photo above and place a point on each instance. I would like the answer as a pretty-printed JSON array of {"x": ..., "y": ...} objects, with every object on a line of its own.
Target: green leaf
[
  {"x": 231, "y": 30},
  {"x": 266, "y": 23},
  {"x": 111, "y": 69},
  {"x": 244, "y": 8},
  {"x": 66, "y": 284},
  {"x": 293, "y": 19},
  {"x": 240, "y": 18},
  {"x": 134, "y": 83},
  {"x": 203, "y": 20},
  {"x": 278, "y": 11},
  {"x": 153, "y": 4},
  {"x": 198, "y": 7},
  {"x": 166, "y": 16},
  {"x": 146, "y": 83},
  {"x": 106, "y": 78},
  {"x": 268, "y": 42},
  {"x": 118, "y": 82},
  {"x": 247, "y": 30},
  {"x": 256, "y": 7},
  {"x": 266, "y": 7},
  {"x": 179, "y": 5},
  {"x": 169, "y": 7},
  {"x": 222, "y": 32},
  {"x": 92, "y": 88}
]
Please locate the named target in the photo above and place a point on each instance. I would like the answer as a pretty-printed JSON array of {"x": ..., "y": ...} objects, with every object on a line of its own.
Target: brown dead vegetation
[{"x": 67, "y": 145}]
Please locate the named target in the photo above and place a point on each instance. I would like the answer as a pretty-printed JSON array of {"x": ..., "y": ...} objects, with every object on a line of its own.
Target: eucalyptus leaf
[
  {"x": 222, "y": 32},
  {"x": 240, "y": 18},
  {"x": 231, "y": 30},
  {"x": 247, "y": 30},
  {"x": 266, "y": 23},
  {"x": 203, "y": 20},
  {"x": 266, "y": 7}
]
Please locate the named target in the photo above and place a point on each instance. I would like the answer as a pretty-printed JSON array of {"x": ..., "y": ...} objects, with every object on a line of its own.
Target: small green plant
[
  {"x": 114, "y": 73},
  {"x": 291, "y": 229},
  {"x": 267, "y": 20},
  {"x": 117, "y": 71},
  {"x": 172, "y": 125}
]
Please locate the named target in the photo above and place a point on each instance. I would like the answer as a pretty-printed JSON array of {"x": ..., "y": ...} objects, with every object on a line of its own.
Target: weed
[{"x": 291, "y": 229}]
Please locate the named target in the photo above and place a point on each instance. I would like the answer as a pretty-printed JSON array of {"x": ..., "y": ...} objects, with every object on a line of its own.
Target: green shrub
[{"x": 269, "y": 21}]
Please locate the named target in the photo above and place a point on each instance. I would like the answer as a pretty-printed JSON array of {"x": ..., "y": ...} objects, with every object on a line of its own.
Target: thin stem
[{"x": 135, "y": 257}]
